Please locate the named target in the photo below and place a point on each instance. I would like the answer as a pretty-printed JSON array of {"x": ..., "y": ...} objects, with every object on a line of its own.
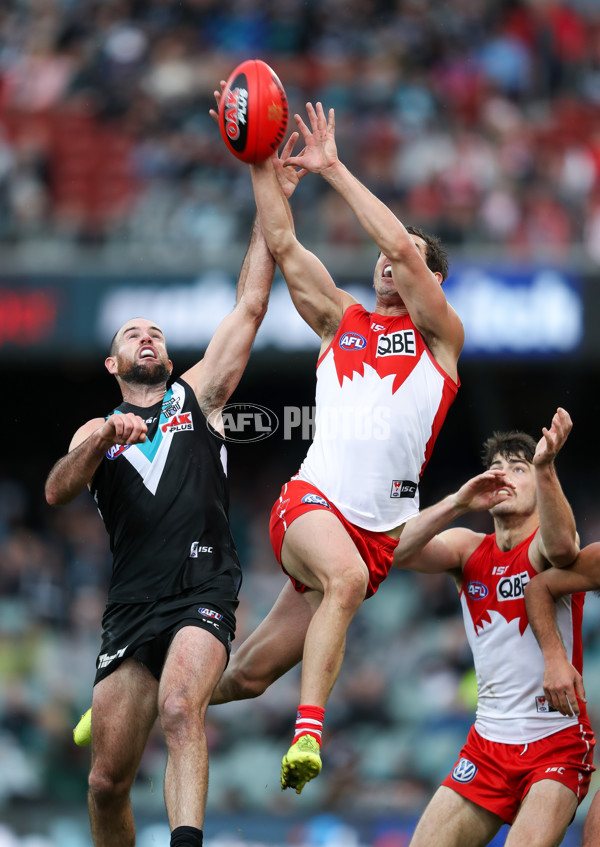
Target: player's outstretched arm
[
  {"x": 418, "y": 287},
  {"x": 73, "y": 472},
  {"x": 217, "y": 374},
  {"x": 424, "y": 547},
  {"x": 557, "y": 541},
  {"x": 562, "y": 682},
  {"x": 313, "y": 291}
]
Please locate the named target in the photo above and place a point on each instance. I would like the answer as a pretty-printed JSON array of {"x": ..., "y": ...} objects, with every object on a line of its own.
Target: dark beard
[{"x": 143, "y": 375}]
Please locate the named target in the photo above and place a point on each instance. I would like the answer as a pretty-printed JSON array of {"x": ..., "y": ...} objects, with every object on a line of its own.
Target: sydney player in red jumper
[
  {"x": 385, "y": 382},
  {"x": 523, "y": 762}
]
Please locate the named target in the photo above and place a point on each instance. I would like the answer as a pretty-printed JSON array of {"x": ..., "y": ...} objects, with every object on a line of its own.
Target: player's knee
[
  {"x": 243, "y": 680},
  {"x": 107, "y": 788},
  {"x": 179, "y": 717},
  {"x": 349, "y": 586}
]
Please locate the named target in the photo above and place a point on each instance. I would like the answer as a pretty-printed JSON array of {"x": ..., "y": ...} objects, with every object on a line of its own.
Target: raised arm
[
  {"x": 313, "y": 291},
  {"x": 419, "y": 287},
  {"x": 73, "y": 472},
  {"x": 556, "y": 541},
  {"x": 217, "y": 374},
  {"x": 420, "y": 546},
  {"x": 562, "y": 682}
]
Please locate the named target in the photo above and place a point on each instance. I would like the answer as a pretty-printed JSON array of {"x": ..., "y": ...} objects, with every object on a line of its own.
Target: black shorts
[{"x": 144, "y": 631}]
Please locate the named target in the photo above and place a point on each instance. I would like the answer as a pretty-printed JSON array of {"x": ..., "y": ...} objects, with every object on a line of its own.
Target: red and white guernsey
[
  {"x": 380, "y": 403},
  {"x": 511, "y": 705}
]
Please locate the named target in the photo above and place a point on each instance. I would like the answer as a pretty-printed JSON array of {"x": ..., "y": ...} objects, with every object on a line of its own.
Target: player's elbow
[
  {"x": 255, "y": 305},
  {"x": 53, "y": 497},
  {"x": 56, "y": 495},
  {"x": 281, "y": 242},
  {"x": 564, "y": 555},
  {"x": 400, "y": 247}
]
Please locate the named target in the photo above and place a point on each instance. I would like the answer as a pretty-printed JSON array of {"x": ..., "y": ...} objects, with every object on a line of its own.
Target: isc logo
[
  {"x": 512, "y": 587},
  {"x": 197, "y": 548},
  {"x": 352, "y": 341},
  {"x": 397, "y": 344}
]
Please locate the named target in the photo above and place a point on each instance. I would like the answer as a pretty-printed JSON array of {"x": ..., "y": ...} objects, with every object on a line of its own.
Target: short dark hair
[
  {"x": 436, "y": 257},
  {"x": 507, "y": 445},
  {"x": 113, "y": 344}
]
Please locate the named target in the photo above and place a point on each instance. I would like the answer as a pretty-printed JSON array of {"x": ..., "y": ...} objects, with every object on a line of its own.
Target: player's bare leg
[
  {"x": 275, "y": 646},
  {"x": 194, "y": 663},
  {"x": 318, "y": 551},
  {"x": 124, "y": 707},
  {"x": 591, "y": 828},
  {"x": 451, "y": 820},
  {"x": 544, "y": 816}
]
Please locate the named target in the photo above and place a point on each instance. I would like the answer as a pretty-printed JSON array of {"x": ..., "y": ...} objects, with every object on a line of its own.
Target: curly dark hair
[
  {"x": 435, "y": 256},
  {"x": 508, "y": 444}
]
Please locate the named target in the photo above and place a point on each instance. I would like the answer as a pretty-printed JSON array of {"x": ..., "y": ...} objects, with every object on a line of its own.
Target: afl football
[{"x": 253, "y": 111}]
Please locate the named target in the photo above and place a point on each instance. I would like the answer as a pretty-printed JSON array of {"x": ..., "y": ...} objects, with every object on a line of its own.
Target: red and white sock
[{"x": 309, "y": 721}]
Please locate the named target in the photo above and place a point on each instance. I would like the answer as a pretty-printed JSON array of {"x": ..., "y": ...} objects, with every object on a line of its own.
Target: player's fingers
[
  {"x": 302, "y": 127},
  {"x": 289, "y": 145},
  {"x": 292, "y": 162},
  {"x": 568, "y": 701},
  {"x": 310, "y": 109},
  {"x": 580, "y": 689},
  {"x": 553, "y": 699},
  {"x": 322, "y": 123}
]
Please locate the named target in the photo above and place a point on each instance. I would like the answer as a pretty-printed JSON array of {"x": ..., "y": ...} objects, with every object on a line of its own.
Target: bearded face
[
  {"x": 139, "y": 354},
  {"x": 155, "y": 373}
]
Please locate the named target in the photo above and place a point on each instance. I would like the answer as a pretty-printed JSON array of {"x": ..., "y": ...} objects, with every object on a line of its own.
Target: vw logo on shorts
[
  {"x": 464, "y": 771},
  {"x": 316, "y": 500}
]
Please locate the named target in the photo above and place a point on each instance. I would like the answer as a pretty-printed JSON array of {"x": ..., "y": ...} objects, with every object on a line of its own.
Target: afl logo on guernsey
[
  {"x": 464, "y": 771},
  {"x": 116, "y": 450},
  {"x": 477, "y": 590},
  {"x": 352, "y": 341}
]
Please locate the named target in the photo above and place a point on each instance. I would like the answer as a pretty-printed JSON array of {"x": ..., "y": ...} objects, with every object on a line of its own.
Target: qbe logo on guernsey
[
  {"x": 512, "y": 587},
  {"x": 464, "y": 770},
  {"x": 401, "y": 343}
]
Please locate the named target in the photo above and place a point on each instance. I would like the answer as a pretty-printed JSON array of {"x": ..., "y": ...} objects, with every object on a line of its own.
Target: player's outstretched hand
[
  {"x": 288, "y": 176},
  {"x": 484, "y": 491},
  {"x": 563, "y": 685},
  {"x": 124, "y": 429},
  {"x": 214, "y": 113},
  {"x": 554, "y": 438},
  {"x": 320, "y": 151}
]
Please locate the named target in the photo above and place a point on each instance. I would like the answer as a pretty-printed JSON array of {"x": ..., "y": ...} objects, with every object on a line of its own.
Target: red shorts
[
  {"x": 498, "y": 776},
  {"x": 297, "y": 497}
]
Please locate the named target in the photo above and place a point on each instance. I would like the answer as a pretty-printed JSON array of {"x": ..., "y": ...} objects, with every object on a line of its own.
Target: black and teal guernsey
[{"x": 165, "y": 504}]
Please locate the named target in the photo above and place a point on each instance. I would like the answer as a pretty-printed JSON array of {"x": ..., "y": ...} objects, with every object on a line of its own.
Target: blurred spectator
[
  {"x": 478, "y": 120},
  {"x": 481, "y": 117}
]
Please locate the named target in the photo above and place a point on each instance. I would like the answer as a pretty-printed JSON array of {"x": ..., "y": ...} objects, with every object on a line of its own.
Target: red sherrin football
[{"x": 253, "y": 111}]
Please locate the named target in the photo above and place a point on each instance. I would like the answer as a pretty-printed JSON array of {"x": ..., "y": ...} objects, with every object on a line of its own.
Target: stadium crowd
[
  {"x": 478, "y": 120},
  {"x": 403, "y": 704}
]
